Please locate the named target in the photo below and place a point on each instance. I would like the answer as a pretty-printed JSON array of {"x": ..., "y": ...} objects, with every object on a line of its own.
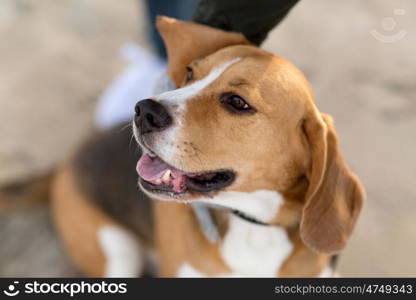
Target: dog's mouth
[{"x": 158, "y": 176}]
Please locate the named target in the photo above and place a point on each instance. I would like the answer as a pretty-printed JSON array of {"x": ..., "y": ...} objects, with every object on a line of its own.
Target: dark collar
[
  {"x": 203, "y": 214},
  {"x": 248, "y": 218}
]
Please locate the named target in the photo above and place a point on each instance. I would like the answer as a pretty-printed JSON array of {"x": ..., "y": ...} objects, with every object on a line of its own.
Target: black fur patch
[{"x": 105, "y": 169}]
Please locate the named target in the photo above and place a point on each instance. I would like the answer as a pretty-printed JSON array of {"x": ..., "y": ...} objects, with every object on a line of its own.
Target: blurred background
[{"x": 57, "y": 57}]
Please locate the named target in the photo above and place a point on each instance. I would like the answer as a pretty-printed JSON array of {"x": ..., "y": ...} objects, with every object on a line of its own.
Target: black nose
[{"x": 151, "y": 116}]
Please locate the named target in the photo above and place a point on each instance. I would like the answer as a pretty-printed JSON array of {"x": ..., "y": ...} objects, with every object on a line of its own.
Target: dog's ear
[
  {"x": 335, "y": 196},
  {"x": 186, "y": 41}
]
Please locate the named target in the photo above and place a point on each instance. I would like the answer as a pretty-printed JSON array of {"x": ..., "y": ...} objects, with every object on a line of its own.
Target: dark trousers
[{"x": 179, "y": 9}]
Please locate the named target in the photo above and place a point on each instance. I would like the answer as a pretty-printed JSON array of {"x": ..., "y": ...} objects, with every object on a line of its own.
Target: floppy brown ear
[
  {"x": 335, "y": 196},
  {"x": 186, "y": 41}
]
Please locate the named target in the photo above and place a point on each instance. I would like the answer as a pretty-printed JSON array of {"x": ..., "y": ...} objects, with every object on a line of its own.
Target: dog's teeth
[{"x": 166, "y": 176}]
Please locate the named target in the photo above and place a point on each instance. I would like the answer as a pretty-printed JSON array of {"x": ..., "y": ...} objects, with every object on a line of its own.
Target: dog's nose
[{"x": 151, "y": 116}]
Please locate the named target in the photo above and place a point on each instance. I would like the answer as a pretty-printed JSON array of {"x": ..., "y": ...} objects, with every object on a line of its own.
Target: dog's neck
[{"x": 216, "y": 223}]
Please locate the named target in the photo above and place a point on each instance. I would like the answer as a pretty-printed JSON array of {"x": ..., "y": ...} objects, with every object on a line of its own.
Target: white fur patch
[
  {"x": 262, "y": 204},
  {"x": 187, "y": 271},
  {"x": 122, "y": 251},
  {"x": 254, "y": 250},
  {"x": 180, "y": 96},
  {"x": 326, "y": 273}
]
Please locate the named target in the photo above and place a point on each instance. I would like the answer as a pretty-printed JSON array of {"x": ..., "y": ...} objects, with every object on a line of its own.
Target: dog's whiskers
[
  {"x": 129, "y": 125},
  {"x": 131, "y": 140}
]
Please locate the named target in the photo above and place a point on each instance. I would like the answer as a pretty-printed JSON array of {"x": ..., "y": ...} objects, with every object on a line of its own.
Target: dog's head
[{"x": 242, "y": 130}]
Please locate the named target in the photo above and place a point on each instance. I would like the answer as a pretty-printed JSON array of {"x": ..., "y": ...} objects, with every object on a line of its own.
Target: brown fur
[
  {"x": 78, "y": 223},
  {"x": 180, "y": 239},
  {"x": 335, "y": 196},
  {"x": 303, "y": 260}
]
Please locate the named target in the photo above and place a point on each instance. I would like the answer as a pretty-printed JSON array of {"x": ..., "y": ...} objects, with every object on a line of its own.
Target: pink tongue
[{"x": 152, "y": 170}]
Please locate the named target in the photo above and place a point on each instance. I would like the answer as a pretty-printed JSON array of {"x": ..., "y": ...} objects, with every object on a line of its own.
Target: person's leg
[{"x": 179, "y": 9}]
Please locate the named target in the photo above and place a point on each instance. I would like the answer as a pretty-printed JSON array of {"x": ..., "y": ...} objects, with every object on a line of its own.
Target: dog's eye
[
  {"x": 189, "y": 74},
  {"x": 235, "y": 103}
]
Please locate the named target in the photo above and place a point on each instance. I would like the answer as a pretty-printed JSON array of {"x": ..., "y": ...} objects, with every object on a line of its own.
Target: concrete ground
[{"x": 57, "y": 56}]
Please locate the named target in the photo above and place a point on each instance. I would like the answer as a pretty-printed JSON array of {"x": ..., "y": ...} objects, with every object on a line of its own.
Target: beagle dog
[{"x": 246, "y": 172}]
